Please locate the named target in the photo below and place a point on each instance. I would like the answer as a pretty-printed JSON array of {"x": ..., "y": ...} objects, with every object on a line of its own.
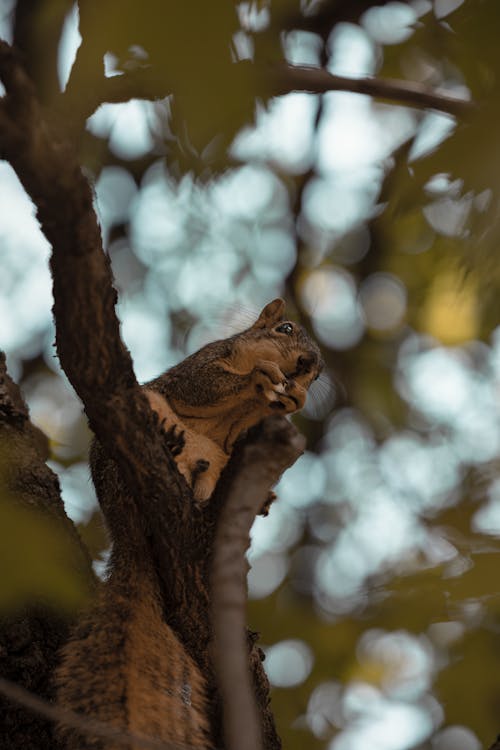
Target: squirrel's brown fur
[
  {"x": 123, "y": 664},
  {"x": 229, "y": 386}
]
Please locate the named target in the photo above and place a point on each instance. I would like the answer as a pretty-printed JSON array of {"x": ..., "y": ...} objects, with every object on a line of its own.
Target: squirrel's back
[
  {"x": 123, "y": 664},
  {"x": 125, "y": 667}
]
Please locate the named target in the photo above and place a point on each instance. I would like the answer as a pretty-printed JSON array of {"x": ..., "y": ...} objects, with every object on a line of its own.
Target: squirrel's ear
[{"x": 272, "y": 313}]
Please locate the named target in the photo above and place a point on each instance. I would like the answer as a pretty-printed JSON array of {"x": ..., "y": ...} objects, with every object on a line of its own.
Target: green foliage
[
  {"x": 461, "y": 48},
  {"x": 36, "y": 561}
]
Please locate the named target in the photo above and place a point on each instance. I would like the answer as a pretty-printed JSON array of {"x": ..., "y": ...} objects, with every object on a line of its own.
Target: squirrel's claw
[
  {"x": 174, "y": 438},
  {"x": 271, "y": 497}
]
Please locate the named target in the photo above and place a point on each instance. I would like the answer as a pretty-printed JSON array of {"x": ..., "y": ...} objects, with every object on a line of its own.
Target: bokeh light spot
[
  {"x": 304, "y": 483},
  {"x": 283, "y": 133},
  {"x": 68, "y": 45},
  {"x": 288, "y": 663},
  {"x": 146, "y": 333},
  {"x": 390, "y": 24},
  {"x": 127, "y": 127},
  {"x": 383, "y": 298},
  {"x": 352, "y": 52},
  {"x": 77, "y": 491},
  {"x": 329, "y": 296},
  {"x": 115, "y": 190},
  {"x": 266, "y": 574},
  {"x": 324, "y": 708},
  {"x": 379, "y": 723},
  {"x": 455, "y": 738},
  {"x": 278, "y": 531},
  {"x": 402, "y": 663}
]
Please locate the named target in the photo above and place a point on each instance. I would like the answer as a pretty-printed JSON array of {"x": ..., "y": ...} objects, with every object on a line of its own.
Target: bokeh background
[{"x": 374, "y": 579}]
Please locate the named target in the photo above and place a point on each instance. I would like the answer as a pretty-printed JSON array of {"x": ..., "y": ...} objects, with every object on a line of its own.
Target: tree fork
[{"x": 100, "y": 369}]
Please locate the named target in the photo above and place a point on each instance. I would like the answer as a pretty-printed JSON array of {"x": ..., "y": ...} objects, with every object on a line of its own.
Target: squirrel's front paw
[
  {"x": 204, "y": 480},
  {"x": 269, "y": 381}
]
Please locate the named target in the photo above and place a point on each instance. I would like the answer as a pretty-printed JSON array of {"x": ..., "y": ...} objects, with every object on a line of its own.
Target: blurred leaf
[
  {"x": 35, "y": 557},
  {"x": 450, "y": 312},
  {"x": 473, "y": 664},
  {"x": 191, "y": 47}
]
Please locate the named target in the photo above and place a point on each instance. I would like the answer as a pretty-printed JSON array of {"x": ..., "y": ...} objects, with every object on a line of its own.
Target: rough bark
[
  {"x": 276, "y": 446},
  {"x": 37, "y": 31},
  {"x": 30, "y": 637}
]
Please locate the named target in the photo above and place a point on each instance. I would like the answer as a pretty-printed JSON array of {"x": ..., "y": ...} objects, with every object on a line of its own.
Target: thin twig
[
  {"x": 76, "y": 104},
  {"x": 77, "y": 721},
  {"x": 275, "y": 448},
  {"x": 287, "y": 78}
]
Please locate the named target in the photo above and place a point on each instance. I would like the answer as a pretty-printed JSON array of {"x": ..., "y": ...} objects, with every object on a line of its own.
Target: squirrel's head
[{"x": 286, "y": 343}]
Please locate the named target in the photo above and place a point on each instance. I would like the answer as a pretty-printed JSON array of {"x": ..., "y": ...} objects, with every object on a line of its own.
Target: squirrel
[
  {"x": 123, "y": 664},
  {"x": 228, "y": 386}
]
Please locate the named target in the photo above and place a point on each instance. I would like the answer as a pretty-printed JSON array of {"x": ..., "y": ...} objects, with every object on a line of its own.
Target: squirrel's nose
[{"x": 306, "y": 362}]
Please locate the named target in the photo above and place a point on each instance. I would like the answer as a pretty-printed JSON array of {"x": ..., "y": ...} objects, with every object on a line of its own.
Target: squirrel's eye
[{"x": 285, "y": 328}]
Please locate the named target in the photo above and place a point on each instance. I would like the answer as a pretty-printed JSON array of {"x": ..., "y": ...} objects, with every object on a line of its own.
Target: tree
[{"x": 390, "y": 262}]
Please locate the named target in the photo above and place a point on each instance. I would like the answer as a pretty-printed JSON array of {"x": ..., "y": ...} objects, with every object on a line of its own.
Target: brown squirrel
[
  {"x": 124, "y": 665},
  {"x": 230, "y": 385}
]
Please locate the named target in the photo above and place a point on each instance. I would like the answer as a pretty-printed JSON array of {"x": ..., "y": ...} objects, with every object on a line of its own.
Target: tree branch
[
  {"x": 275, "y": 447},
  {"x": 78, "y": 103},
  {"x": 87, "y": 330},
  {"x": 287, "y": 78},
  {"x": 276, "y": 80},
  {"x": 37, "y": 33},
  {"x": 84, "y": 724}
]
